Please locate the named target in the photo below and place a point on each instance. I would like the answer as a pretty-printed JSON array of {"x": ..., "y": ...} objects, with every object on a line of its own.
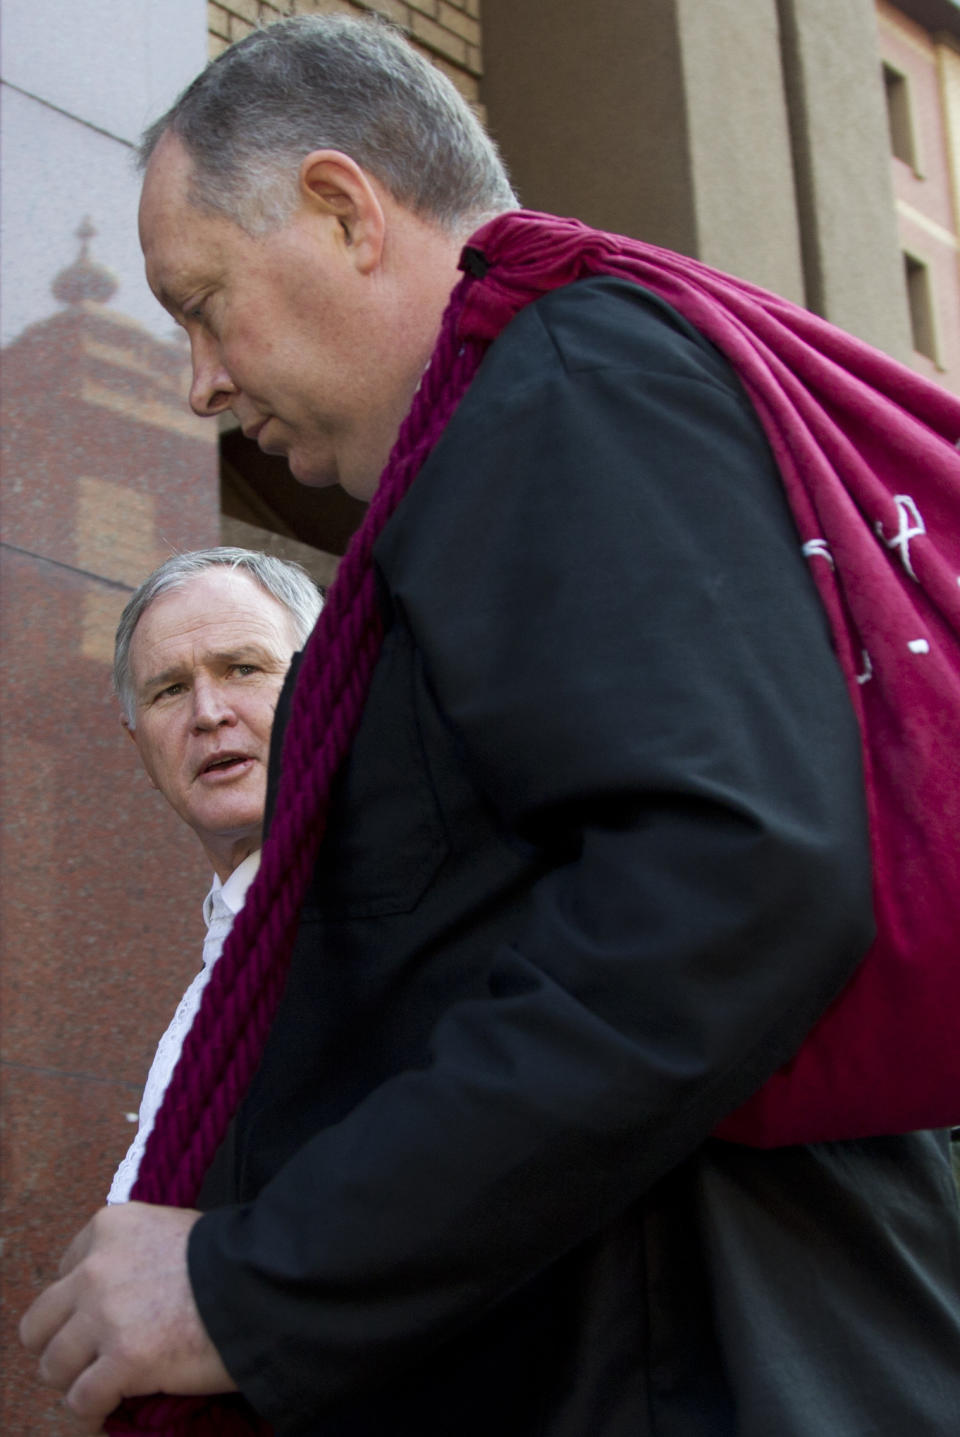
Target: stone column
[
  {"x": 662, "y": 119},
  {"x": 851, "y": 253}
]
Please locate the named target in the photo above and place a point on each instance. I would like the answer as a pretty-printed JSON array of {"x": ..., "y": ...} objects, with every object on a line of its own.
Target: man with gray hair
[
  {"x": 569, "y": 852},
  {"x": 201, "y": 653}
]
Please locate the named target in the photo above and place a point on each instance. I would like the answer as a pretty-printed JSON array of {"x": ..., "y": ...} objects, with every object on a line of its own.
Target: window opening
[
  {"x": 899, "y": 116},
  {"x": 920, "y": 301}
]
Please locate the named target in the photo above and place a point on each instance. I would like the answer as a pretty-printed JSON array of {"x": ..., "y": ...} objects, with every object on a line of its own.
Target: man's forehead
[
  {"x": 166, "y": 209},
  {"x": 169, "y": 171},
  {"x": 217, "y": 601}
]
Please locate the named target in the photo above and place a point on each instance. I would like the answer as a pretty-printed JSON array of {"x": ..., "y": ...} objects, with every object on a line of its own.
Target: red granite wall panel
[{"x": 105, "y": 472}]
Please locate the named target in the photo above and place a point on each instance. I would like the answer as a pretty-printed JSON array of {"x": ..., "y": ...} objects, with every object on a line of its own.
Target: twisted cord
[
  {"x": 226, "y": 1040},
  {"x": 223, "y": 1048}
]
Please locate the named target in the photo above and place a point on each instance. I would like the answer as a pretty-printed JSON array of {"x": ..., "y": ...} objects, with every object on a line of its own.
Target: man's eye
[
  {"x": 170, "y": 691},
  {"x": 244, "y": 669}
]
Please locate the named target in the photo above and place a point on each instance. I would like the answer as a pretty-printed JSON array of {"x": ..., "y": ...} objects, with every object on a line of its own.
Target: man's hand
[{"x": 121, "y": 1321}]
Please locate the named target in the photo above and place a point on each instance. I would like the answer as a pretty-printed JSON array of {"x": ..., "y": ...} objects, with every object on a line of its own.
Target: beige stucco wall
[
  {"x": 664, "y": 119},
  {"x": 750, "y": 133},
  {"x": 851, "y": 253},
  {"x": 739, "y": 142}
]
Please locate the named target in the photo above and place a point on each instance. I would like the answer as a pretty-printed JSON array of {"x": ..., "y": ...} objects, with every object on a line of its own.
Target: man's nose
[
  {"x": 211, "y": 706},
  {"x": 211, "y": 389}
]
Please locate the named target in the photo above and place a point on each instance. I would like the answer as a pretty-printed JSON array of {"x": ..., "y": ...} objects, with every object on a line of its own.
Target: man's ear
[
  {"x": 132, "y": 736},
  {"x": 334, "y": 185},
  {"x": 130, "y": 732}
]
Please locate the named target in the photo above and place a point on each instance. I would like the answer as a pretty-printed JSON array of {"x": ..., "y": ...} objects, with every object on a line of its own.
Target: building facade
[
  {"x": 920, "y": 53},
  {"x": 808, "y": 146}
]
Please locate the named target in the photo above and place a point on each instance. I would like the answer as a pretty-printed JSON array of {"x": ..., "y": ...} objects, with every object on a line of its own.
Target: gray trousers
[{"x": 834, "y": 1273}]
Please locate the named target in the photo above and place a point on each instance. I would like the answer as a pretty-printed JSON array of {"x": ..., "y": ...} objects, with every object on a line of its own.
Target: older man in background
[{"x": 202, "y": 650}]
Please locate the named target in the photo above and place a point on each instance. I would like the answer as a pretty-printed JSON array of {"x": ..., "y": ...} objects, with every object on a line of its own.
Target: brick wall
[{"x": 446, "y": 31}]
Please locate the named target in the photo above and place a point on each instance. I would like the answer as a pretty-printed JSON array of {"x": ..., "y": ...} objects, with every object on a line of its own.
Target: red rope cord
[{"x": 223, "y": 1048}]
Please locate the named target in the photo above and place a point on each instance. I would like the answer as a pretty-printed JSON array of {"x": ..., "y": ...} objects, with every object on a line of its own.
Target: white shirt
[{"x": 220, "y": 907}]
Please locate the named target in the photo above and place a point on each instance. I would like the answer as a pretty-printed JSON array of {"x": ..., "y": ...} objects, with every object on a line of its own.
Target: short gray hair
[
  {"x": 332, "y": 82},
  {"x": 288, "y": 583}
]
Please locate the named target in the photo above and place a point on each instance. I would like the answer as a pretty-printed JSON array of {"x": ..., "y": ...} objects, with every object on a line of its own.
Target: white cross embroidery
[
  {"x": 820, "y": 549},
  {"x": 867, "y": 669},
  {"x": 907, "y": 511}
]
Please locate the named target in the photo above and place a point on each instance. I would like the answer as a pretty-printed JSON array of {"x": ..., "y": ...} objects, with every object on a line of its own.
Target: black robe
[{"x": 597, "y": 861}]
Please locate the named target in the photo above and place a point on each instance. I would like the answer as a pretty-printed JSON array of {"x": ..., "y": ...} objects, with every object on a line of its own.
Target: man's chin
[{"x": 310, "y": 471}]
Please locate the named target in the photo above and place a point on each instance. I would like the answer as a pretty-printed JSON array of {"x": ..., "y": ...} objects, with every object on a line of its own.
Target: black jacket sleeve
[{"x": 600, "y": 575}]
